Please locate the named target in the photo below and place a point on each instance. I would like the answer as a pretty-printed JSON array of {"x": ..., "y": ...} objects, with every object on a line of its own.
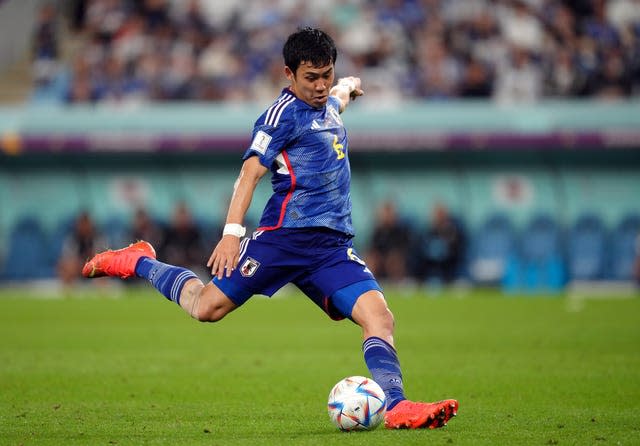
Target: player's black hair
[{"x": 309, "y": 45}]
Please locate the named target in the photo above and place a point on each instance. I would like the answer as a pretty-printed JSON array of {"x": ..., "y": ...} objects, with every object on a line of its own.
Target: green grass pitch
[{"x": 139, "y": 371}]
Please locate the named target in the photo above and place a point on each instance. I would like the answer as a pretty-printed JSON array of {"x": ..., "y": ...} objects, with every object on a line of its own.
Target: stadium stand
[
  {"x": 494, "y": 228},
  {"x": 512, "y": 50},
  {"x": 16, "y": 21},
  {"x": 121, "y": 54}
]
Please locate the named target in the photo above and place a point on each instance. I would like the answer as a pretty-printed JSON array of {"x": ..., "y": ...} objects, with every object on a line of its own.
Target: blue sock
[
  {"x": 167, "y": 279},
  {"x": 382, "y": 361}
]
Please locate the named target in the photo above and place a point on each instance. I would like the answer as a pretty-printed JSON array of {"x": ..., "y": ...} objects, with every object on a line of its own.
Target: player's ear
[{"x": 290, "y": 74}]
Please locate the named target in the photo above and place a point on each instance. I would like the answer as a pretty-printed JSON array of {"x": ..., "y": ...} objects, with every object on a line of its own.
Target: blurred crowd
[
  {"x": 513, "y": 51},
  {"x": 398, "y": 251},
  {"x": 179, "y": 241}
]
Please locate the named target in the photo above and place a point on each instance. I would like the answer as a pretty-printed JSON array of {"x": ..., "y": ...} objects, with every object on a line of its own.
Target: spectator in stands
[
  {"x": 564, "y": 80},
  {"x": 116, "y": 86},
  {"x": 476, "y": 81},
  {"x": 80, "y": 89},
  {"x": 439, "y": 72},
  {"x": 436, "y": 49},
  {"x": 613, "y": 80},
  {"x": 439, "y": 248},
  {"x": 45, "y": 45},
  {"x": 183, "y": 244},
  {"x": 76, "y": 10},
  {"x": 145, "y": 228},
  {"x": 520, "y": 26},
  {"x": 389, "y": 245},
  {"x": 103, "y": 19},
  {"x": 519, "y": 80},
  {"x": 80, "y": 244}
]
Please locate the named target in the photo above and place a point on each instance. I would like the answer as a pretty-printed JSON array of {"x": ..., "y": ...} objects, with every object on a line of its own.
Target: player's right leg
[
  {"x": 180, "y": 285},
  {"x": 419, "y": 415},
  {"x": 372, "y": 314}
]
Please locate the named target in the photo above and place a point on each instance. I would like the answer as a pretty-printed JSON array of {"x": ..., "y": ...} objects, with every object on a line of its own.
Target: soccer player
[{"x": 305, "y": 233}]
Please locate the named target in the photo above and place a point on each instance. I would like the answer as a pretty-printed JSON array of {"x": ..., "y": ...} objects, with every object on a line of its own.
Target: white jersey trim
[
  {"x": 282, "y": 165},
  {"x": 243, "y": 248},
  {"x": 275, "y": 111}
]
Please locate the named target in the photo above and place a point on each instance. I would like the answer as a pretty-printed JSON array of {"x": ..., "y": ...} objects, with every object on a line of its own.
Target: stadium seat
[
  {"x": 624, "y": 239},
  {"x": 537, "y": 264},
  {"x": 540, "y": 239},
  {"x": 28, "y": 256},
  {"x": 586, "y": 248},
  {"x": 490, "y": 249}
]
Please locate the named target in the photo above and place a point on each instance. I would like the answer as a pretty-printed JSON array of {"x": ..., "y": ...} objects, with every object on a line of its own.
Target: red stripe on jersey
[{"x": 283, "y": 208}]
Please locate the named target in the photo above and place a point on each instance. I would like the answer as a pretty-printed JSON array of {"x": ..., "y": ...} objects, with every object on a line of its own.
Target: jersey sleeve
[
  {"x": 334, "y": 102},
  {"x": 268, "y": 141}
]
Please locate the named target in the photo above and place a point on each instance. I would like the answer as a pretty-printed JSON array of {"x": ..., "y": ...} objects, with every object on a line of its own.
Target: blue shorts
[{"x": 321, "y": 262}]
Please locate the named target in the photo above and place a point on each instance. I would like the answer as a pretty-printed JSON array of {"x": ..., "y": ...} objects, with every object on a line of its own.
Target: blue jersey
[{"x": 306, "y": 150}]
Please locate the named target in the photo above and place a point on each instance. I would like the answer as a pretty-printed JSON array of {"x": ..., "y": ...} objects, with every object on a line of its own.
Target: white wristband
[{"x": 234, "y": 229}]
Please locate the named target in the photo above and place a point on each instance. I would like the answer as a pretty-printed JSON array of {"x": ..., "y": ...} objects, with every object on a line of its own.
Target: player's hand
[
  {"x": 346, "y": 90},
  {"x": 355, "y": 86},
  {"x": 225, "y": 256},
  {"x": 358, "y": 90}
]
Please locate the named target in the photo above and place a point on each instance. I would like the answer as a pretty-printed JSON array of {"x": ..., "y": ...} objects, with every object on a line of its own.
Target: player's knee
[
  {"x": 213, "y": 306},
  {"x": 372, "y": 313},
  {"x": 386, "y": 320},
  {"x": 381, "y": 320},
  {"x": 211, "y": 312}
]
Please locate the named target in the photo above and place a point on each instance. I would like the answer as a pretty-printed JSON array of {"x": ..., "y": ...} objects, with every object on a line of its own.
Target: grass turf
[{"x": 138, "y": 371}]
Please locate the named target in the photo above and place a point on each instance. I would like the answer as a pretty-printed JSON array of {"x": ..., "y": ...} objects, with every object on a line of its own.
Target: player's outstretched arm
[
  {"x": 226, "y": 254},
  {"x": 347, "y": 89}
]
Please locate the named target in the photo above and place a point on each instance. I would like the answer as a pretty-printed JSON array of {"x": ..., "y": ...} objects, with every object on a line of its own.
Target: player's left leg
[{"x": 373, "y": 315}]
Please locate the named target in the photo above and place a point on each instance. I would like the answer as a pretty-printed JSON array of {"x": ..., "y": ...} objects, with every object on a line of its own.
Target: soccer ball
[{"x": 357, "y": 403}]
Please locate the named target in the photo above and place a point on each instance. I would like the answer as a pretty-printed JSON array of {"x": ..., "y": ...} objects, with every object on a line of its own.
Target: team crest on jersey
[{"x": 249, "y": 267}]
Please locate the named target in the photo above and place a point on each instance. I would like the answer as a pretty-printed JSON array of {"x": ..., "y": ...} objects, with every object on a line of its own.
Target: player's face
[{"x": 311, "y": 84}]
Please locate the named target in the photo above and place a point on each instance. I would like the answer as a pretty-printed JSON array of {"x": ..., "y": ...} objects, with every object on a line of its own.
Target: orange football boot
[
  {"x": 417, "y": 415},
  {"x": 119, "y": 263}
]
